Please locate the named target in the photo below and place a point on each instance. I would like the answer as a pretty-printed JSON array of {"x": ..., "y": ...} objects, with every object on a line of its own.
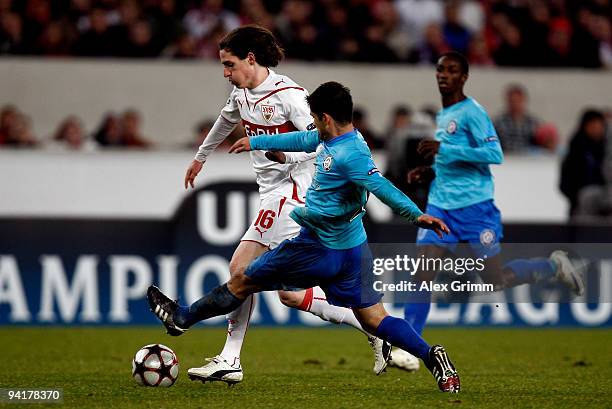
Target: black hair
[
  {"x": 334, "y": 99},
  {"x": 460, "y": 58},
  {"x": 253, "y": 39},
  {"x": 588, "y": 115}
]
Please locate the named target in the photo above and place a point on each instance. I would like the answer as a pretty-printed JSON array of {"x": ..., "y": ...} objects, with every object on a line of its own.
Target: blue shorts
[
  {"x": 303, "y": 262},
  {"x": 478, "y": 224}
]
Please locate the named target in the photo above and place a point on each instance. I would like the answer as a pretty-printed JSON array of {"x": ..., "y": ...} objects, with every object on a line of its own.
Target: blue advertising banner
[{"x": 91, "y": 272}]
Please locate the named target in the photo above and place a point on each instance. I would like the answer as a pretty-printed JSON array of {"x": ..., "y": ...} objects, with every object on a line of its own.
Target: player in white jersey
[{"x": 269, "y": 103}]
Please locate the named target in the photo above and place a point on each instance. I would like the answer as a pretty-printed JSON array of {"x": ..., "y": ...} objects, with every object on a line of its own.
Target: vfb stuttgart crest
[{"x": 267, "y": 111}]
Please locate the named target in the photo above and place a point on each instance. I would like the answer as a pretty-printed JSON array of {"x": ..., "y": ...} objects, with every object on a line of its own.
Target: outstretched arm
[
  {"x": 301, "y": 141},
  {"x": 221, "y": 129},
  {"x": 218, "y": 133}
]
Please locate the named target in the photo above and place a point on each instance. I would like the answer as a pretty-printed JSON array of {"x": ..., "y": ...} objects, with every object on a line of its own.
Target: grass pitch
[{"x": 315, "y": 368}]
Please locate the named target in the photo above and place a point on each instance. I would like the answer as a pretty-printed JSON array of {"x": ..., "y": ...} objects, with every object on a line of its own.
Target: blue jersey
[
  {"x": 468, "y": 145},
  {"x": 344, "y": 173}
]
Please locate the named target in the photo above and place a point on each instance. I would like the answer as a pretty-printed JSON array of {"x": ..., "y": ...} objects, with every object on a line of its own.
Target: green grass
[{"x": 315, "y": 368}]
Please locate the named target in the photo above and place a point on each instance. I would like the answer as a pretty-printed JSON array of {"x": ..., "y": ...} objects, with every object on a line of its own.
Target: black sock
[{"x": 219, "y": 301}]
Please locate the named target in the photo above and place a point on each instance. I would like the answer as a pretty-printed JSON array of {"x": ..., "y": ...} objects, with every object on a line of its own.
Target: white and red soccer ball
[{"x": 155, "y": 365}]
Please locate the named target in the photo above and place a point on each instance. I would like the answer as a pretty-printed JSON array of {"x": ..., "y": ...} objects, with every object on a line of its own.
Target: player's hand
[
  {"x": 277, "y": 156},
  {"x": 241, "y": 145},
  {"x": 192, "y": 171},
  {"x": 422, "y": 174},
  {"x": 426, "y": 221},
  {"x": 428, "y": 148}
]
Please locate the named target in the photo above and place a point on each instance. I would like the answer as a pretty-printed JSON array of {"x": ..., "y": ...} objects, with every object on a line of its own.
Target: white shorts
[{"x": 272, "y": 224}]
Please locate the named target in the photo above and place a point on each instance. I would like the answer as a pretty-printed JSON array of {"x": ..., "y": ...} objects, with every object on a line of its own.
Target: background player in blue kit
[
  {"x": 331, "y": 249},
  {"x": 461, "y": 194}
]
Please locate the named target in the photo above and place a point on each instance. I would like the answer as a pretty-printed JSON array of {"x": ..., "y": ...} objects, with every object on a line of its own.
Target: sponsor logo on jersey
[
  {"x": 491, "y": 139},
  {"x": 487, "y": 237},
  {"x": 267, "y": 111},
  {"x": 311, "y": 127},
  {"x": 252, "y": 129},
  {"x": 451, "y": 127},
  {"x": 373, "y": 171},
  {"x": 327, "y": 163}
]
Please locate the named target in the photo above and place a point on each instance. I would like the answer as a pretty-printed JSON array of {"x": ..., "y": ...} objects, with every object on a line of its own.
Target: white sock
[
  {"x": 238, "y": 324},
  {"x": 316, "y": 303}
]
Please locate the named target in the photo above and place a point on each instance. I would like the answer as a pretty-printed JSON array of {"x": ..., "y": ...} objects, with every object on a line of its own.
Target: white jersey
[{"x": 277, "y": 105}]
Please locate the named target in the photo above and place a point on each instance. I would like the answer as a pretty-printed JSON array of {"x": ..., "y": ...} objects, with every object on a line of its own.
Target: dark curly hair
[{"x": 254, "y": 39}]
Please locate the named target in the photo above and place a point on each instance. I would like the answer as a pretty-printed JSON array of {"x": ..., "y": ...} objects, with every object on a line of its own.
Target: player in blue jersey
[
  {"x": 461, "y": 194},
  {"x": 331, "y": 250}
]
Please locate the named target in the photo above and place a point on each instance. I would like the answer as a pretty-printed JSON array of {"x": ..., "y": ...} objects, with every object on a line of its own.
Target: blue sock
[
  {"x": 219, "y": 301},
  {"x": 399, "y": 333},
  {"x": 416, "y": 312},
  {"x": 532, "y": 270}
]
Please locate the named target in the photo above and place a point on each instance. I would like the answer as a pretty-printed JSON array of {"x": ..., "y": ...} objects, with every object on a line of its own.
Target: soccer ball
[{"x": 155, "y": 365}]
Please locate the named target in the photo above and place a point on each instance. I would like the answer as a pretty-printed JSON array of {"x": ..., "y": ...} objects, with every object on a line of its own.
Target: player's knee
[
  {"x": 369, "y": 319},
  {"x": 290, "y": 298},
  {"x": 369, "y": 324},
  {"x": 239, "y": 285},
  {"x": 237, "y": 267}
]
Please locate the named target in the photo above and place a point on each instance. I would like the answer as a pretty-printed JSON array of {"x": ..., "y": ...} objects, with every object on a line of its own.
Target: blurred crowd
[
  {"x": 558, "y": 33},
  {"x": 116, "y": 130},
  {"x": 586, "y": 170}
]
